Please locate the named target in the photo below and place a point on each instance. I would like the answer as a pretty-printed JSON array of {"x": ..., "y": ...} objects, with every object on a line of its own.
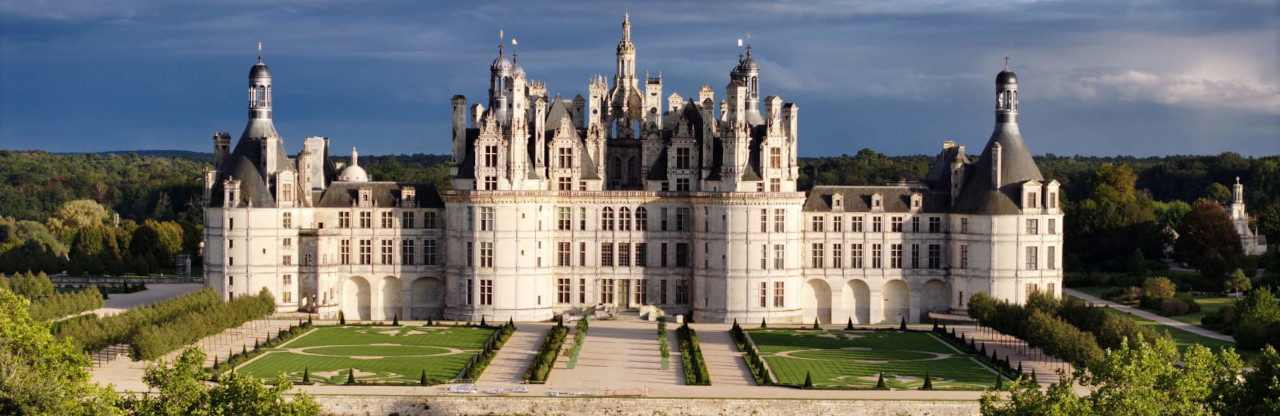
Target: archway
[
  {"x": 857, "y": 301},
  {"x": 355, "y": 298},
  {"x": 934, "y": 297},
  {"x": 426, "y": 298},
  {"x": 897, "y": 302},
  {"x": 390, "y": 289},
  {"x": 816, "y": 301}
]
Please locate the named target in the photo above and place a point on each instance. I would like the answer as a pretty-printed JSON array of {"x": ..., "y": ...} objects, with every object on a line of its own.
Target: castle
[{"x": 627, "y": 199}]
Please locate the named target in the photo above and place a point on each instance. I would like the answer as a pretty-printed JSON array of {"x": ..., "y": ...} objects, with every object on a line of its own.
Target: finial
[
  {"x": 1237, "y": 180},
  {"x": 626, "y": 17},
  {"x": 354, "y": 156},
  {"x": 259, "y": 52},
  {"x": 1006, "y": 62}
]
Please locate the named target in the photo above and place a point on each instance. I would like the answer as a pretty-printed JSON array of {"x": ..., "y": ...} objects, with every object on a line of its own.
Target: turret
[
  {"x": 221, "y": 148},
  {"x": 499, "y": 80},
  {"x": 259, "y": 89}
]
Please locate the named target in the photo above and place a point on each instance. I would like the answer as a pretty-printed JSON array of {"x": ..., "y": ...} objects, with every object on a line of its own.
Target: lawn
[
  {"x": 854, "y": 359},
  {"x": 1185, "y": 339},
  {"x": 377, "y": 353},
  {"x": 1095, "y": 291}
]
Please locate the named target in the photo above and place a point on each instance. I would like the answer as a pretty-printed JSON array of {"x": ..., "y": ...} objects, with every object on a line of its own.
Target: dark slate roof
[
  {"x": 245, "y": 164},
  {"x": 259, "y": 70},
  {"x": 385, "y": 194},
  {"x": 588, "y": 165},
  {"x": 466, "y": 169},
  {"x": 939, "y": 176},
  {"x": 658, "y": 172},
  {"x": 1016, "y": 167},
  {"x": 858, "y": 198}
]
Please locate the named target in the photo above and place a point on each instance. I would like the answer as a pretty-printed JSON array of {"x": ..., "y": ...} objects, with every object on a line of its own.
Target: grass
[
  {"x": 382, "y": 354},
  {"x": 1095, "y": 291},
  {"x": 840, "y": 359},
  {"x": 1208, "y": 306},
  {"x": 1185, "y": 339}
]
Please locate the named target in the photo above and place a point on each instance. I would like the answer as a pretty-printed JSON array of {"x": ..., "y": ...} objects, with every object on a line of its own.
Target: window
[
  {"x": 407, "y": 220},
  {"x": 287, "y": 242},
  {"x": 287, "y": 297},
  {"x": 964, "y": 256},
  {"x": 915, "y": 224},
  {"x": 471, "y": 256},
  {"x": 642, "y": 219},
  {"x": 1053, "y": 226},
  {"x": 582, "y": 254},
  {"x": 682, "y": 184},
  {"x": 606, "y": 219},
  {"x": 877, "y": 224},
  {"x": 779, "y": 256},
  {"x": 764, "y": 220},
  {"x": 779, "y": 220},
  {"x": 896, "y": 224},
  {"x": 486, "y": 254},
  {"x": 606, "y": 291},
  {"x": 344, "y": 220},
  {"x": 288, "y": 279},
  {"x": 682, "y": 292},
  {"x": 1053, "y": 201},
  {"x": 662, "y": 256},
  {"x": 775, "y": 158},
  {"x": 486, "y": 291},
  {"x": 563, "y": 286},
  {"x": 429, "y": 219},
  {"x": 490, "y": 183},
  {"x": 682, "y": 255},
  {"x": 642, "y": 255},
  {"x": 486, "y": 218},
  {"x": 565, "y": 157},
  {"x": 563, "y": 255},
  {"x": 817, "y": 223},
  {"x": 935, "y": 224},
  {"x": 470, "y": 290},
  {"x": 764, "y": 257},
  {"x": 764, "y": 294},
  {"x": 1033, "y": 226},
  {"x": 491, "y": 156},
  {"x": 642, "y": 292},
  {"x": 388, "y": 220},
  {"x": 895, "y": 256},
  {"x": 1051, "y": 258},
  {"x": 855, "y": 224},
  {"x": 855, "y": 255},
  {"x": 366, "y": 219},
  {"x": 683, "y": 218},
  {"x": 344, "y": 252},
  {"x": 388, "y": 251},
  {"x": 624, "y": 254},
  {"x": 231, "y": 223},
  {"x": 287, "y": 220},
  {"x": 775, "y": 185},
  {"x": 606, "y": 254},
  {"x": 662, "y": 292},
  {"x": 582, "y": 290},
  {"x": 407, "y": 252},
  {"x": 288, "y": 260},
  {"x": 307, "y": 260},
  {"x": 582, "y": 218},
  {"x": 564, "y": 183},
  {"x": 663, "y": 218},
  {"x": 837, "y": 255},
  {"x": 817, "y": 256},
  {"x": 876, "y": 252},
  {"x": 964, "y": 225},
  {"x": 429, "y": 253},
  {"x": 1032, "y": 199},
  {"x": 624, "y": 219},
  {"x": 779, "y": 294},
  {"x": 837, "y": 224},
  {"x": 564, "y": 218},
  {"x": 682, "y": 158},
  {"x": 366, "y": 251},
  {"x": 915, "y": 256},
  {"x": 935, "y": 256}
]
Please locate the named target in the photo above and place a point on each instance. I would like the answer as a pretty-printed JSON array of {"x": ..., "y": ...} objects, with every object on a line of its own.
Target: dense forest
[{"x": 155, "y": 196}]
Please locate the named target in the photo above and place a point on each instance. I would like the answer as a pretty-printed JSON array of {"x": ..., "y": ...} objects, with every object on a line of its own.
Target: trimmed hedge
[
  {"x": 58, "y": 305},
  {"x": 579, "y": 337},
  {"x": 695, "y": 368},
  {"x": 93, "y": 334},
  {"x": 479, "y": 362},
  {"x": 758, "y": 369},
  {"x": 546, "y": 357},
  {"x": 156, "y": 340}
]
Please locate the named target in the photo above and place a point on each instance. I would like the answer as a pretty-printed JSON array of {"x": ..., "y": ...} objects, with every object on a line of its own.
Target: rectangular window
[
  {"x": 915, "y": 224},
  {"x": 366, "y": 219},
  {"x": 817, "y": 256},
  {"x": 407, "y": 252},
  {"x": 764, "y": 220},
  {"x": 683, "y": 219},
  {"x": 407, "y": 220},
  {"x": 915, "y": 256},
  {"x": 895, "y": 256},
  {"x": 564, "y": 219},
  {"x": 896, "y": 224},
  {"x": 624, "y": 254},
  {"x": 682, "y": 158},
  {"x": 837, "y": 256},
  {"x": 664, "y": 218},
  {"x": 877, "y": 251},
  {"x": 287, "y": 297},
  {"x": 366, "y": 251},
  {"x": 682, "y": 255},
  {"x": 486, "y": 291},
  {"x": 764, "y": 294},
  {"x": 563, "y": 255},
  {"x": 779, "y": 256},
  {"x": 582, "y": 290},
  {"x": 642, "y": 255},
  {"x": 779, "y": 294},
  {"x": 287, "y": 242},
  {"x": 582, "y": 218},
  {"x": 662, "y": 292},
  {"x": 429, "y": 253},
  {"x": 935, "y": 256},
  {"x": 855, "y": 255},
  {"x": 288, "y": 279},
  {"x": 471, "y": 255},
  {"x": 606, "y": 254},
  {"x": 682, "y": 292},
  {"x": 964, "y": 225},
  {"x": 935, "y": 224},
  {"x": 429, "y": 219},
  {"x": 486, "y": 218},
  {"x": 491, "y": 156},
  {"x": 564, "y": 183},
  {"x": 287, "y": 220},
  {"x": 486, "y": 254},
  {"x": 775, "y": 157},
  {"x": 344, "y": 220},
  {"x": 606, "y": 291},
  {"x": 837, "y": 224},
  {"x": 775, "y": 185},
  {"x": 682, "y": 184},
  {"x": 388, "y": 219},
  {"x": 388, "y": 251},
  {"x": 855, "y": 224},
  {"x": 642, "y": 292},
  {"x": 1051, "y": 258},
  {"x": 565, "y": 157},
  {"x": 642, "y": 219},
  {"x": 562, "y": 290},
  {"x": 606, "y": 219},
  {"x": 1032, "y": 199},
  {"x": 964, "y": 256},
  {"x": 582, "y": 254},
  {"x": 471, "y": 291},
  {"x": 662, "y": 257},
  {"x": 287, "y": 260},
  {"x": 817, "y": 223},
  {"x": 490, "y": 183},
  {"x": 1033, "y": 258},
  {"x": 877, "y": 224},
  {"x": 1053, "y": 201},
  {"x": 1033, "y": 226},
  {"x": 1053, "y": 226},
  {"x": 780, "y": 220},
  {"x": 344, "y": 253}
]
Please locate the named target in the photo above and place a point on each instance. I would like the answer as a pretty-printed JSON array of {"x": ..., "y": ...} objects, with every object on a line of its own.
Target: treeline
[
  {"x": 1253, "y": 320},
  {"x": 45, "y": 304},
  {"x": 80, "y": 239}
]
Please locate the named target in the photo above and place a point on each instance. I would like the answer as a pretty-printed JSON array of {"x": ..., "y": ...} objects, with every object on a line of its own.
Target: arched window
[
  {"x": 642, "y": 219},
  {"x": 606, "y": 219},
  {"x": 624, "y": 219}
]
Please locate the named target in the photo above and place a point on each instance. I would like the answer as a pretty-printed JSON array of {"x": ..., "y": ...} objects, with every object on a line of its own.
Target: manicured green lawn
[
  {"x": 1185, "y": 339},
  {"x": 1095, "y": 291},
  {"x": 387, "y": 354},
  {"x": 854, "y": 359},
  {"x": 1208, "y": 306}
]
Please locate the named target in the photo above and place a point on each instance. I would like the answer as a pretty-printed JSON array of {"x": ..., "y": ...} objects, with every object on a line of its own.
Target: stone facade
[
  {"x": 453, "y": 406},
  {"x": 624, "y": 199}
]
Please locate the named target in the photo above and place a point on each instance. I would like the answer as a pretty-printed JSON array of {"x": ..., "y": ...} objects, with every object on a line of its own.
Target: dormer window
[
  {"x": 837, "y": 202},
  {"x": 366, "y": 197},
  {"x": 916, "y": 201},
  {"x": 877, "y": 202},
  {"x": 408, "y": 197},
  {"x": 1032, "y": 198}
]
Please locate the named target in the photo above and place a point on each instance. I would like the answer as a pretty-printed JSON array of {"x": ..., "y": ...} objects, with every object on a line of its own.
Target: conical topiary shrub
[
  {"x": 808, "y": 380},
  {"x": 935, "y": 325},
  {"x": 482, "y": 324},
  {"x": 928, "y": 381},
  {"x": 1020, "y": 368},
  {"x": 903, "y": 325},
  {"x": 511, "y": 323},
  {"x": 1033, "y": 376},
  {"x": 342, "y": 318},
  {"x": 429, "y": 322},
  {"x": 983, "y": 350},
  {"x": 351, "y": 376},
  {"x": 422, "y": 380},
  {"x": 306, "y": 375},
  {"x": 763, "y": 324},
  {"x": 999, "y": 382},
  {"x": 849, "y": 326},
  {"x": 395, "y": 320},
  {"x": 880, "y": 382},
  {"x": 815, "y": 324}
]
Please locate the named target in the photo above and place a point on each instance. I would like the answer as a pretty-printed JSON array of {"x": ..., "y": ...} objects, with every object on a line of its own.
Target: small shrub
[
  {"x": 928, "y": 381},
  {"x": 880, "y": 382},
  {"x": 1173, "y": 307}
]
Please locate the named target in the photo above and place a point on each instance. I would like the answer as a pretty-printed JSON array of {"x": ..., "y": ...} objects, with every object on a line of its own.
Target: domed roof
[
  {"x": 1006, "y": 77},
  {"x": 501, "y": 63},
  {"x": 749, "y": 64},
  {"x": 259, "y": 70},
  {"x": 353, "y": 173}
]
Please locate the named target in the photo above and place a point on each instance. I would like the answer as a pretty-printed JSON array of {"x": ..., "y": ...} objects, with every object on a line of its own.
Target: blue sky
[{"x": 1098, "y": 77}]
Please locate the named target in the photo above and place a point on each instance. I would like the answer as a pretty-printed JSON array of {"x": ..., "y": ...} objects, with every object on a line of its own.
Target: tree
[
  {"x": 808, "y": 380},
  {"x": 1206, "y": 227},
  {"x": 1218, "y": 192},
  {"x": 77, "y": 214},
  {"x": 1258, "y": 320},
  {"x": 1238, "y": 282},
  {"x": 928, "y": 381},
  {"x": 1269, "y": 222},
  {"x": 1159, "y": 288}
]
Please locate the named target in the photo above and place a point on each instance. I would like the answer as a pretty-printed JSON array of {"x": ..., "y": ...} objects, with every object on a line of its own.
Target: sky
[{"x": 1097, "y": 77}]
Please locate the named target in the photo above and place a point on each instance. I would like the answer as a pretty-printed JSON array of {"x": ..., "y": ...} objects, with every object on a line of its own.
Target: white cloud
[{"x": 1175, "y": 89}]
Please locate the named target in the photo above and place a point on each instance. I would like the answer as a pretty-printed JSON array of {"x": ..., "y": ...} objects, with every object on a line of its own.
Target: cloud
[{"x": 1175, "y": 89}]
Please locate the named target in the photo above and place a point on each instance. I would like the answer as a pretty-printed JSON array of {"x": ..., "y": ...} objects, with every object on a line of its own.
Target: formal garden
[
  {"x": 377, "y": 354},
  {"x": 867, "y": 360}
]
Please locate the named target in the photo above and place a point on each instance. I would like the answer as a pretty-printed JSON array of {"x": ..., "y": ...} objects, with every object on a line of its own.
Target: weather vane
[{"x": 1006, "y": 62}]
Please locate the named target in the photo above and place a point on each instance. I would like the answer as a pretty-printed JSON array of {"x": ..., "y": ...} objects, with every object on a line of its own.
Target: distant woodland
[{"x": 84, "y": 212}]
